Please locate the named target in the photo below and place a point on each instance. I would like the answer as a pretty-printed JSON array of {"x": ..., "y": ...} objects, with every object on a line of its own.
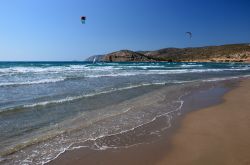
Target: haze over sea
[{"x": 49, "y": 107}]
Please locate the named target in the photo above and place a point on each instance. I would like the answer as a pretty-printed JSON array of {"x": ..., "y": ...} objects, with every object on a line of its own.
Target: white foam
[
  {"x": 156, "y": 117},
  {"x": 61, "y": 152},
  {"x": 158, "y": 72},
  {"x": 72, "y": 98},
  {"x": 67, "y": 99},
  {"x": 105, "y": 147},
  {"x": 225, "y": 78},
  {"x": 191, "y": 65},
  {"x": 43, "y": 81},
  {"x": 96, "y": 71}
]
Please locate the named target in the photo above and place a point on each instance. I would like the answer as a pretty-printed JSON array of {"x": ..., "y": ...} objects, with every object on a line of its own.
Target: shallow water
[{"x": 48, "y": 107}]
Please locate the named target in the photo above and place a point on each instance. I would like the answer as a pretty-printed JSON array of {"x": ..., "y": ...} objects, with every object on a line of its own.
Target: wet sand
[
  {"x": 215, "y": 135},
  {"x": 155, "y": 148}
]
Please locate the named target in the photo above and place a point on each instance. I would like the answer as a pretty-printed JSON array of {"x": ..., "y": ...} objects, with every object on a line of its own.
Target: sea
[{"x": 47, "y": 108}]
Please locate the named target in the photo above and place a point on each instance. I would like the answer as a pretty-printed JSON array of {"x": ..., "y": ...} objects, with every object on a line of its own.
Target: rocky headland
[{"x": 222, "y": 53}]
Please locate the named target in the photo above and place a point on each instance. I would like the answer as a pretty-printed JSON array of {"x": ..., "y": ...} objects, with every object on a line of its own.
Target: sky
[{"x": 51, "y": 30}]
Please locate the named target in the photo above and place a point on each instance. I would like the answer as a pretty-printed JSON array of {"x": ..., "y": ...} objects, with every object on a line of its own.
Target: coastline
[
  {"x": 148, "y": 153},
  {"x": 215, "y": 135},
  {"x": 106, "y": 110},
  {"x": 220, "y": 53}
]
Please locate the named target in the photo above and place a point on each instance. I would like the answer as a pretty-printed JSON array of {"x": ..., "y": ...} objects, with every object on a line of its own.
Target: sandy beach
[
  {"x": 92, "y": 82},
  {"x": 215, "y": 135},
  {"x": 110, "y": 113}
]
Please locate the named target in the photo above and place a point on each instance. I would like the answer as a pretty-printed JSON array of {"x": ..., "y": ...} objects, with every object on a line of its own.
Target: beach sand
[{"x": 215, "y": 135}]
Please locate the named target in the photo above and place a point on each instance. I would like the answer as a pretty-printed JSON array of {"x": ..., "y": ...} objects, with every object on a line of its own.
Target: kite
[
  {"x": 189, "y": 34},
  {"x": 83, "y": 19}
]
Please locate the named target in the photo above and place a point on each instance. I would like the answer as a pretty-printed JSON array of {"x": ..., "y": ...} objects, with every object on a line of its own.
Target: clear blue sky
[{"x": 51, "y": 29}]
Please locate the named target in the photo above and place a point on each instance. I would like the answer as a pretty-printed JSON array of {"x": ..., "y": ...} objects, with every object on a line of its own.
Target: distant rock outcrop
[
  {"x": 127, "y": 56},
  {"x": 223, "y": 53}
]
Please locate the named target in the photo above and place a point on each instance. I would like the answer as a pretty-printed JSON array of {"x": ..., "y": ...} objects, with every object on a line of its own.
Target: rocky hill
[
  {"x": 126, "y": 56},
  {"x": 223, "y": 53}
]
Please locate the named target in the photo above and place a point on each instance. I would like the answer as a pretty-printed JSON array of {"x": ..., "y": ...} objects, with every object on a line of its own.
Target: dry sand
[{"x": 215, "y": 135}]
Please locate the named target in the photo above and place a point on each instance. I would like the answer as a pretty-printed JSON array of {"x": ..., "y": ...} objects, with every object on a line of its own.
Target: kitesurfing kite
[
  {"x": 83, "y": 19},
  {"x": 189, "y": 34}
]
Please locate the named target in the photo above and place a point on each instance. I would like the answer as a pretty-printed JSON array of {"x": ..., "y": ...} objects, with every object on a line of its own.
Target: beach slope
[{"x": 215, "y": 135}]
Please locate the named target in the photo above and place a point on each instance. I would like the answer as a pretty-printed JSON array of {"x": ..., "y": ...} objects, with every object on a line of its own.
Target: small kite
[
  {"x": 83, "y": 19},
  {"x": 189, "y": 34}
]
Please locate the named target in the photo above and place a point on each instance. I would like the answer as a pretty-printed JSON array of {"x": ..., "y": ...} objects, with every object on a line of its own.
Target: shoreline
[
  {"x": 215, "y": 135},
  {"x": 104, "y": 110},
  {"x": 142, "y": 154}
]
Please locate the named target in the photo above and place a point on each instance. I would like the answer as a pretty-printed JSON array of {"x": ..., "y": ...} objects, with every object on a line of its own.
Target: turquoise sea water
[{"x": 56, "y": 105}]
